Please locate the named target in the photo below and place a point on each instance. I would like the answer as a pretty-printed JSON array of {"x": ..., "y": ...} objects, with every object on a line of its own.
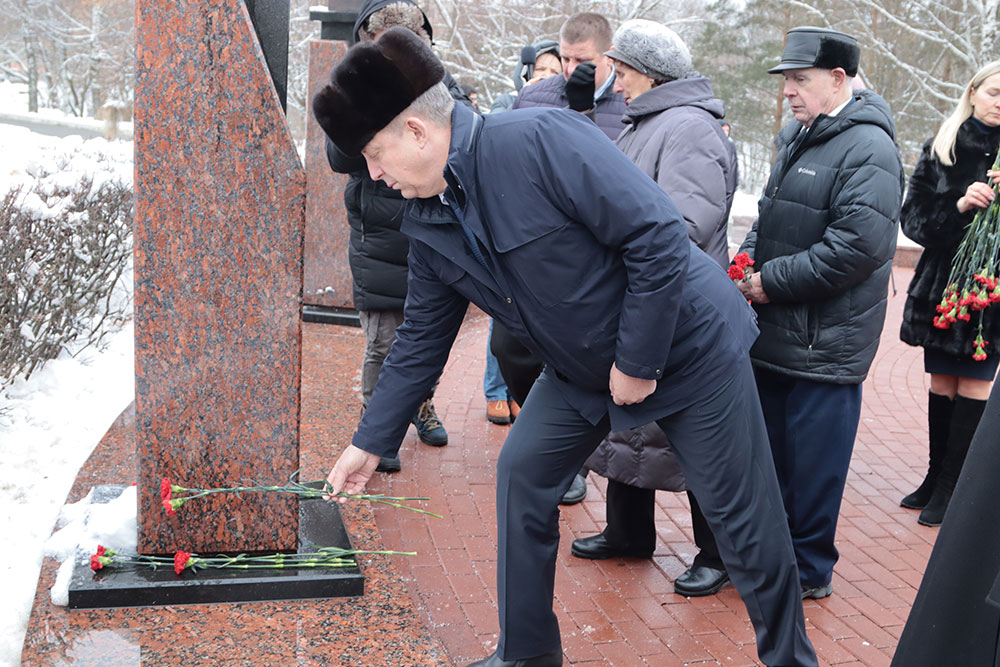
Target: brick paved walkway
[{"x": 624, "y": 612}]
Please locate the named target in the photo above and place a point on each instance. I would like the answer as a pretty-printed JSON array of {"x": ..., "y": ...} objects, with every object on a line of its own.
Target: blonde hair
[{"x": 944, "y": 141}]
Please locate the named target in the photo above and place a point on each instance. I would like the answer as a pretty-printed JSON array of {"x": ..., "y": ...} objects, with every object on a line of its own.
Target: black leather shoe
[
  {"x": 698, "y": 581},
  {"x": 553, "y": 659},
  {"x": 577, "y": 491},
  {"x": 597, "y": 547},
  {"x": 388, "y": 464}
]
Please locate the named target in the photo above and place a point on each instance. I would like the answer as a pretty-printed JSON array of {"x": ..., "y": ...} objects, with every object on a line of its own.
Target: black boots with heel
[
  {"x": 965, "y": 417},
  {"x": 939, "y": 409}
]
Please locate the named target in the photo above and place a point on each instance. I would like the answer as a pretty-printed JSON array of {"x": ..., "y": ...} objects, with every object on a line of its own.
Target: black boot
[
  {"x": 939, "y": 410},
  {"x": 964, "y": 420}
]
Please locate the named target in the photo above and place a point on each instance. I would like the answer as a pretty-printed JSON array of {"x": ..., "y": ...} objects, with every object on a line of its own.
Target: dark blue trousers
[
  {"x": 811, "y": 426},
  {"x": 722, "y": 447}
]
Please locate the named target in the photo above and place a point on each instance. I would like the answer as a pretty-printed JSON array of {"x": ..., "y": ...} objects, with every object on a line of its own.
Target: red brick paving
[{"x": 624, "y": 612}]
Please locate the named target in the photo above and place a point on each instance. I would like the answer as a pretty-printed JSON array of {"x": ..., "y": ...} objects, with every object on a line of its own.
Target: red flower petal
[{"x": 180, "y": 561}]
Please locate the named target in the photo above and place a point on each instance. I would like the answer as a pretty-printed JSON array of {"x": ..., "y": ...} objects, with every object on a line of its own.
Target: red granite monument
[{"x": 220, "y": 211}]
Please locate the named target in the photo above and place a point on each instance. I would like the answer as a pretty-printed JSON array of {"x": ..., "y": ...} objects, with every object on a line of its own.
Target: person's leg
[
  {"x": 629, "y": 512},
  {"x": 939, "y": 409},
  {"x": 965, "y": 418},
  {"x": 708, "y": 548},
  {"x": 494, "y": 388},
  {"x": 545, "y": 448},
  {"x": 721, "y": 444},
  {"x": 518, "y": 365},
  {"x": 379, "y": 327},
  {"x": 822, "y": 422}
]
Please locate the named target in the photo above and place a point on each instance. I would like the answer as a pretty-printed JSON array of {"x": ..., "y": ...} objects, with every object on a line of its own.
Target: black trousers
[
  {"x": 631, "y": 523},
  {"x": 518, "y": 365},
  {"x": 721, "y": 444}
]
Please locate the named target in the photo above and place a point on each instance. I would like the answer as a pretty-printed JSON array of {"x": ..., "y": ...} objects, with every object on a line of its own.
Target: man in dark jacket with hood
[
  {"x": 822, "y": 248},
  {"x": 593, "y": 270},
  {"x": 378, "y": 249}
]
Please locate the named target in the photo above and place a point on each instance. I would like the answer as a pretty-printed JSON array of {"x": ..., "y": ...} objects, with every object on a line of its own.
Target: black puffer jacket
[
  {"x": 377, "y": 253},
  {"x": 930, "y": 218},
  {"x": 824, "y": 243}
]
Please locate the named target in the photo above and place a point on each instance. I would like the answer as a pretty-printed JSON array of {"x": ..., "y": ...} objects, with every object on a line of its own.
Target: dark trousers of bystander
[
  {"x": 631, "y": 524},
  {"x": 811, "y": 426}
]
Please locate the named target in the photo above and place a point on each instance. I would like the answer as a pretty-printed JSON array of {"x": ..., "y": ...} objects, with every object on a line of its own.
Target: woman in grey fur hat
[{"x": 673, "y": 135}]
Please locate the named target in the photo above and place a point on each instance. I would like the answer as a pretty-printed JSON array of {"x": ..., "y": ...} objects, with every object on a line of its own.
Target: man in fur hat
[{"x": 593, "y": 270}]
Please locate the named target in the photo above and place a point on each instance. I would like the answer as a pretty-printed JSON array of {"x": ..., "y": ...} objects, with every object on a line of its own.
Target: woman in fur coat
[{"x": 951, "y": 182}]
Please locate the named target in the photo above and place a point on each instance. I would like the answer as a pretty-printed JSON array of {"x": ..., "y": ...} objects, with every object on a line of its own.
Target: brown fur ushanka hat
[{"x": 372, "y": 85}]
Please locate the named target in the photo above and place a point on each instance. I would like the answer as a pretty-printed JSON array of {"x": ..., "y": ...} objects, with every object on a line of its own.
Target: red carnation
[
  {"x": 101, "y": 550},
  {"x": 95, "y": 563},
  {"x": 165, "y": 491},
  {"x": 169, "y": 507},
  {"x": 735, "y": 272},
  {"x": 181, "y": 559},
  {"x": 742, "y": 260}
]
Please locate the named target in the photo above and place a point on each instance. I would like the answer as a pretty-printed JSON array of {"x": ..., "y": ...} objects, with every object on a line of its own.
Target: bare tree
[{"x": 72, "y": 55}]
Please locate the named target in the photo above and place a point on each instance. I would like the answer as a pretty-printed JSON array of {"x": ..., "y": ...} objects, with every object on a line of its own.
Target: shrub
[{"x": 64, "y": 245}]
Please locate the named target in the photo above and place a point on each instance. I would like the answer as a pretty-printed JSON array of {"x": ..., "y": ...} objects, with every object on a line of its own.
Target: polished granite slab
[{"x": 320, "y": 525}]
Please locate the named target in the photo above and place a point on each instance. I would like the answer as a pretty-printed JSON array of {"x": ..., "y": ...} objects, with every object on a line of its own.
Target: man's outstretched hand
[
  {"x": 627, "y": 390},
  {"x": 352, "y": 471}
]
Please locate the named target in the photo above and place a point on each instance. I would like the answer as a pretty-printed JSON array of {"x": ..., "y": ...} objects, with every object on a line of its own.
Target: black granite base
[
  {"x": 320, "y": 525},
  {"x": 346, "y": 317}
]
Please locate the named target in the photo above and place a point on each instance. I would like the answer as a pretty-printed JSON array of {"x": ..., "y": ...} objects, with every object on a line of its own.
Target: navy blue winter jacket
[{"x": 587, "y": 266}]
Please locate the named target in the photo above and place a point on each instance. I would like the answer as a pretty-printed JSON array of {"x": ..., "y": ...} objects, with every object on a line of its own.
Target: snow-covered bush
[{"x": 65, "y": 243}]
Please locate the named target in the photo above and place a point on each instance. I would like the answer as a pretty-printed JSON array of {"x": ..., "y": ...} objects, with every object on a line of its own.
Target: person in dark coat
[
  {"x": 377, "y": 252},
  {"x": 955, "y": 618},
  {"x": 587, "y": 86},
  {"x": 593, "y": 270},
  {"x": 673, "y": 135},
  {"x": 950, "y": 183},
  {"x": 583, "y": 39},
  {"x": 822, "y": 248}
]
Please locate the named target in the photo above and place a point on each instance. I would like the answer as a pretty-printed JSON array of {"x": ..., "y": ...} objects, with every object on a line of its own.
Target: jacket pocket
[{"x": 548, "y": 261}]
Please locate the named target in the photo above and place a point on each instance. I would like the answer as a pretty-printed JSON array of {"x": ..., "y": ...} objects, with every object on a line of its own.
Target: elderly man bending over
[{"x": 593, "y": 270}]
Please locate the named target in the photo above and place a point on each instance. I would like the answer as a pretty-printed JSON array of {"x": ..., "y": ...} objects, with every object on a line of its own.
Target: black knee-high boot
[
  {"x": 939, "y": 409},
  {"x": 964, "y": 420}
]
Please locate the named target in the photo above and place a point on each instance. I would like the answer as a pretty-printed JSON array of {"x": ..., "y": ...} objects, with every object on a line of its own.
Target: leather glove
[{"x": 580, "y": 87}]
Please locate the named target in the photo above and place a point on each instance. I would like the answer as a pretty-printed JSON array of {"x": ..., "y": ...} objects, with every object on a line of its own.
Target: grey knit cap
[{"x": 651, "y": 48}]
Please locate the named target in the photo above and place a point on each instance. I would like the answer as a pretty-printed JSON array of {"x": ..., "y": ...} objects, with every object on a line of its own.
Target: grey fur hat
[{"x": 651, "y": 48}]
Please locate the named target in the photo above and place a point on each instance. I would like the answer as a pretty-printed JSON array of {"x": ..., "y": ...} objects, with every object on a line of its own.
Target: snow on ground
[
  {"x": 744, "y": 205},
  {"x": 51, "y": 422}
]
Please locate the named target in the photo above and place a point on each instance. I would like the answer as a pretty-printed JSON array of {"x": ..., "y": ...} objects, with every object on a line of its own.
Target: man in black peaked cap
[{"x": 822, "y": 248}]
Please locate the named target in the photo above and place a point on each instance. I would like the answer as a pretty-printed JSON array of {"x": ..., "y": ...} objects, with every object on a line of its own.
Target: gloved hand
[{"x": 580, "y": 87}]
